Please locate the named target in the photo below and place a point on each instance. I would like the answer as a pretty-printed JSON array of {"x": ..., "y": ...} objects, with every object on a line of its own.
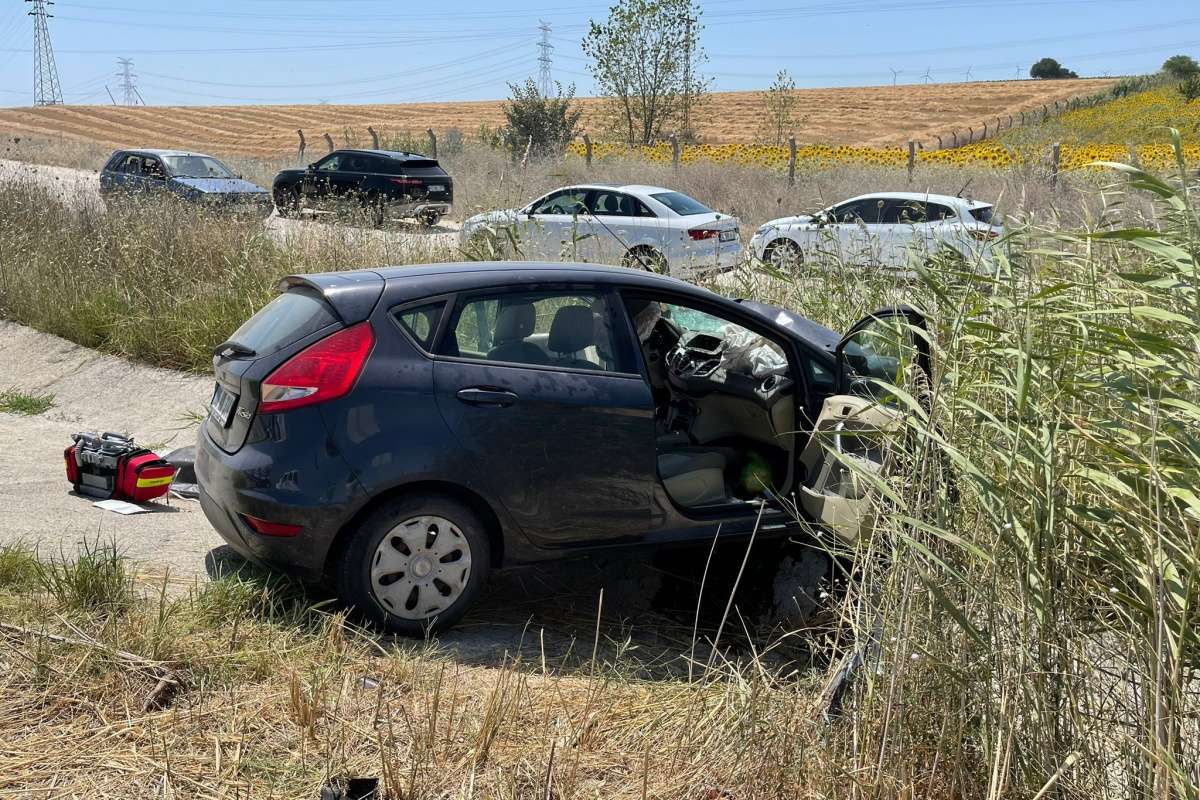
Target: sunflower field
[{"x": 1099, "y": 133}]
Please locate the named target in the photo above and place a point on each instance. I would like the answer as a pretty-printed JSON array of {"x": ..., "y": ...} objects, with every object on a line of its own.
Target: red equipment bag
[{"x": 109, "y": 465}]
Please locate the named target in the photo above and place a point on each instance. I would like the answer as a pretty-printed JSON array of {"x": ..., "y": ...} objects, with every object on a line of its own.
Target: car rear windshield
[
  {"x": 288, "y": 318},
  {"x": 681, "y": 204},
  {"x": 983, "y": 214}
]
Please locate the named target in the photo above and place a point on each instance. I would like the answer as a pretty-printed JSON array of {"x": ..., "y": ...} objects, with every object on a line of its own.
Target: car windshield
[
  {"x": 681, "y": 204},
  {"x": 196, "y": 167}
]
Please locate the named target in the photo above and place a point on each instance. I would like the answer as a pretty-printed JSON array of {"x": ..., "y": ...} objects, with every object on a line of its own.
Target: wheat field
[{"x": 872, "y": 116}]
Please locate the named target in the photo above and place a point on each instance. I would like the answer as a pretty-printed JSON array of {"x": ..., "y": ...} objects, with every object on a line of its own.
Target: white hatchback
[
  {"x": 890, "y": 230},
  {"x": 636, "y": 226}
]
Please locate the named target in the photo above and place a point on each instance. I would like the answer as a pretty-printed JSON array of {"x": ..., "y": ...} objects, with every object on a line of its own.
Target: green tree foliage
[
  {"x": 645, "y": 59},
  {"x": 544, "y": 125},
  {"x": 1050, "y": 69},
  {"x": 779, "y": 108},
  {"x": 1189, "y": 88},
  {"x": 1181, "y": 67}
]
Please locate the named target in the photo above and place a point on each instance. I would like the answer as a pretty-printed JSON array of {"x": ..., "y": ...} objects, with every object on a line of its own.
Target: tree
[
  {"x": 1049, "y": 69},
  {"x": 543, "y": 124},
  {"x": 644, "y": 59},
  {"x": 1181, "y": 67},
  {"x": 779, "y": 108}
]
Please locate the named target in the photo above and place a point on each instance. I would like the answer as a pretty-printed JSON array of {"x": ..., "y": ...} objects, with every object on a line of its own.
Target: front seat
[
  {"x": 573, "y": 330},
  {"x": 693, "y": 477},
  {"x": 513, "y": 324}
]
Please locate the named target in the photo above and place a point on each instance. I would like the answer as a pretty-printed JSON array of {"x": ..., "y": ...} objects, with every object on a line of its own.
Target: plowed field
[{"x": 869, "y": 116}]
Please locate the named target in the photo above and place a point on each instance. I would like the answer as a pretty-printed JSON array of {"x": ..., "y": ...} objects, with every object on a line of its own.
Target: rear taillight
[
  {"x": 322, "y": 371},
  {"x": 406, "y": 181},
  {"x": 268, "y": 528},
  {"x": 700, "y": 234},
  {"x": 982, "y": 234}
]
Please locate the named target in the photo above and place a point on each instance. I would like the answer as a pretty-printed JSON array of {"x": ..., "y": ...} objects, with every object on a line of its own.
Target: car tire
[
  {"x": 430, "y": 218},
  {"x": 287, "y": 202},
  {"x": 400, "y": 545},
  {"x": 783, "y": 254},
  {"x": 646, "y": 258}
]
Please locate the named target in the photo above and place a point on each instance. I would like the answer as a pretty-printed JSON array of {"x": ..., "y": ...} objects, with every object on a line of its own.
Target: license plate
[
  {"x": 437, "y": 187},
  {"x": 222, "y": 405},
  {"x": 728, "y": 236}
]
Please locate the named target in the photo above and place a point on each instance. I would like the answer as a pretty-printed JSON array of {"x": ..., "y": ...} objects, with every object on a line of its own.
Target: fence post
[
  {"x": 374, "y": 137},
  {"x": 587, "y": 149},
  {"x": 912, "y": 158},
  {"x": 329, "y": 141},
  {"x": 791, "y": 160},
  {"x": 675, "y": 152},
  {"x": 1022, "y": 119},
  {"x": 955, "y": 135},
  {"x": 1133, "y": 155},
  {"x": 939, "y": 141},
  {"x": 432, "y": 143},
  {"x": 984, "y": 136},
  {"x": 1055, "y": 155},
  {"x": 300, "y": 155}
]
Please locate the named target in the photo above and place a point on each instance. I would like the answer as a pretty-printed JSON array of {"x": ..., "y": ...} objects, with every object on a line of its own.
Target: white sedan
[
  {"x": 888, "y": 230},
  {"x": 645, "y": 227}
]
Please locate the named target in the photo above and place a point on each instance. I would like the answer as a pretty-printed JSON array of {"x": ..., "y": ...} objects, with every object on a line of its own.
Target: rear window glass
[
  {"x": 681, "y": 204},
  {"x": 983, "y": 214},
  {"x": 288, "y": 318},
  {"x": 421, "y": 323}
]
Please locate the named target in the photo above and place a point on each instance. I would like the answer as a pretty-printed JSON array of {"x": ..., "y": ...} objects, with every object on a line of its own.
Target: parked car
[
  {"x": 192, "y": 177},
  {"x": 886, "y": 230},
  {"x": 636, "y": 226},
  {"x": 403, "y": 431},
  {"x": 384, "y": 183}
]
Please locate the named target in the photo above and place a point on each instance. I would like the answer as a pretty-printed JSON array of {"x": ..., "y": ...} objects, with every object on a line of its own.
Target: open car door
[{"x": 889, "y": 348}]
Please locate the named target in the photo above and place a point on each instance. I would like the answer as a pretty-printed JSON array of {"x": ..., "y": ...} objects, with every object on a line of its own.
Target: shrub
[{"x": 541, "y": 125}]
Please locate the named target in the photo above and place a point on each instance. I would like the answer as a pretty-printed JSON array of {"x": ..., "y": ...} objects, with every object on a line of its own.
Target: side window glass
[
  {"x": 938, "y": 212},
  {"x": 564, "y": 202},
  {"x": 640, "y": 209},
  {"x": 847, "y": 213},
  {"x": 330, "y": 164},
  {"x": 153, "y": 168},
  {"x": 612, "y": 204},
  {"x": 575, "y": 330},
  {"x": 132, "y": 166},
  {"x": 421, "y": 323},
  {"x": 908, "y": 212},
  {"x": 882, "y": 351}
]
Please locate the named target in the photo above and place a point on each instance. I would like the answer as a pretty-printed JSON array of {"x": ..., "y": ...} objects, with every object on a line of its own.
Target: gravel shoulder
[{"x": 93, "y": 391}]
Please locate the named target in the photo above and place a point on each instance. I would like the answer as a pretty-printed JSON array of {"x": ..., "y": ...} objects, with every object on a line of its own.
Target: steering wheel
[{"x": 687, "y": 361}]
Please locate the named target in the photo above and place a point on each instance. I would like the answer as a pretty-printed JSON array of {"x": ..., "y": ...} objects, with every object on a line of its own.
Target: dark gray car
[
  {"x": 402, "y": 431},
  {"x": 192, "y": 177}
]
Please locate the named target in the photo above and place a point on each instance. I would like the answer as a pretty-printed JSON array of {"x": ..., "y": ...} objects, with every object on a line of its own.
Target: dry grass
[{"x": 872, "y": 116}]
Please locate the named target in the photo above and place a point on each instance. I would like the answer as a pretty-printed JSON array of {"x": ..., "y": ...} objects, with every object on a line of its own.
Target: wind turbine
[
  {"x": 895, "y": 72},
  {"x": 927, "y": 77},
  {"x": 1018, "y": 73},
  {"x": 969, "y": 74}
]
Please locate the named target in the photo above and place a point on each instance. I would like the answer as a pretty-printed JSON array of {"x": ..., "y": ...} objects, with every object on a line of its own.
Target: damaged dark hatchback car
[{"x": 402, "y": 432}]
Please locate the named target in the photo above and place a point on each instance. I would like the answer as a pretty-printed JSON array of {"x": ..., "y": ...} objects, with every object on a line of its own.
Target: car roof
[
  {"x": 946, "y": 199},
  {"x": 150, "y": 151},
  {"x": 397, "y": 154},
  {"x": 630, "y": 188},
  {"x": 433, "y": 280}
]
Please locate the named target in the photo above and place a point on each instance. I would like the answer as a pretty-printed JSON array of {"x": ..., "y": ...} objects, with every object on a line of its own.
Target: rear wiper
[{"x": 233, "y": 350}]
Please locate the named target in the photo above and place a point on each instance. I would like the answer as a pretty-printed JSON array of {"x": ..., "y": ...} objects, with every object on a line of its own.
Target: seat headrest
[
  {"x": 572, "y": 330},
  {"x": 515, "y": 322}
]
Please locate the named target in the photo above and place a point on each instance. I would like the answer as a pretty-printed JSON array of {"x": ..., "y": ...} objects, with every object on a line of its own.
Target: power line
[
  {"x": 545, "y": 79},
  {"x": 46, "y": 88}
]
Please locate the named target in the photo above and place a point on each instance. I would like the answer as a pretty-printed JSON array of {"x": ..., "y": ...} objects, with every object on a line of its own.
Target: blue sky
[{"x": 369, "y": 51}]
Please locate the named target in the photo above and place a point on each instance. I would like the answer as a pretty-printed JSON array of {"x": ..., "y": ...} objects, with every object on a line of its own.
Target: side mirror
[{"x": 312, "y": 167}]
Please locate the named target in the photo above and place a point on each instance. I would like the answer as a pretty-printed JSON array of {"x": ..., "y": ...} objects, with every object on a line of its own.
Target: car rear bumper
[
  {"x": 417, "y": 209},
  {"x": 281, "y": 481},
  {"x": 698, "y": 260}
]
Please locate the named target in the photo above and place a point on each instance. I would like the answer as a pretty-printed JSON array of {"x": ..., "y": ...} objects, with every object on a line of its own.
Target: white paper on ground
[{"x": 119, "y": 506}]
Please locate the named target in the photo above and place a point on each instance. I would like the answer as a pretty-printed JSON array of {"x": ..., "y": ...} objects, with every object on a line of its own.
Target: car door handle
[{"x": 477, "y": 396}]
